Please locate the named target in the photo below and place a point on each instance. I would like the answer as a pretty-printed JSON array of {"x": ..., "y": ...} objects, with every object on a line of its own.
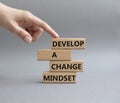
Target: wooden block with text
[
  {"x": 68, "y": 43},
  {"x": 59, "y": 77},
  {"x": 66, "y": 66},
  {"x": 47, "y": 54}
]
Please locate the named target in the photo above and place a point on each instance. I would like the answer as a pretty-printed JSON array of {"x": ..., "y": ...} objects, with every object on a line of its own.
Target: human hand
[{"x": 23, "y": 23}]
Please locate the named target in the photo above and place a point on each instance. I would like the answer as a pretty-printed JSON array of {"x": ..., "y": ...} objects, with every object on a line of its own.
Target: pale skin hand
[{"x": 23, "y": 23}]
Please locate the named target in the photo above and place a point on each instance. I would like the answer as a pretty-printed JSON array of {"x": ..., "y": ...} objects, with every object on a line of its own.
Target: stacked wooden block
[{"x": 61, "y": 68}]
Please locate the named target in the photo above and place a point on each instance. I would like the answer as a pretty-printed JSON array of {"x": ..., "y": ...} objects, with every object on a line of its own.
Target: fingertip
[{"x": 56, "y": 35}]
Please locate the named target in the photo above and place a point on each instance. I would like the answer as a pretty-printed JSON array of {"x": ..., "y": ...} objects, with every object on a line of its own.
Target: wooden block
[
  {"x": 68, "y": 43},
  {"x": 59, "y": 77},
  {"x": 66, "y": 66},
  {"x": 46, "y": 54}
]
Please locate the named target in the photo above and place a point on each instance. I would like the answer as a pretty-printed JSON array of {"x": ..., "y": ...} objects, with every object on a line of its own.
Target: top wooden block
[{"x": 68, "y": 43}]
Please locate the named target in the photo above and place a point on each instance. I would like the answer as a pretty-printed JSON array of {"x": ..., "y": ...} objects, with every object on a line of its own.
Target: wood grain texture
[
  {"x": 68, "y": 43},
  {"x": 47, "y": 54},
  {"x": 59, "y": 77},
  {"x": 66, "y": 66}
]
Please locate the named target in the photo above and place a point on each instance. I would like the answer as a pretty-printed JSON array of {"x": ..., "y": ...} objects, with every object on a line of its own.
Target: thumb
[{"x": 22, "y": 33}]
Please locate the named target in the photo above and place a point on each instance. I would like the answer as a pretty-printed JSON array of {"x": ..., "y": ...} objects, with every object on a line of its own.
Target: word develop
[{"x": 69, "y": 43}]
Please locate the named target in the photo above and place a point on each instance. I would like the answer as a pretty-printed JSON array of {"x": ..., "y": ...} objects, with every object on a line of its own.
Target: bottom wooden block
[{"x": 59, "y": 77}]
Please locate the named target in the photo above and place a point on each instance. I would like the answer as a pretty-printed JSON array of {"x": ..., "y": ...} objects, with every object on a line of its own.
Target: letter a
[{"x": 54, "y": 55}]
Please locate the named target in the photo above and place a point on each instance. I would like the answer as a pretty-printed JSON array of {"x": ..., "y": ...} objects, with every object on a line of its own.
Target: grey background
[{"x": 96, "y": 20}]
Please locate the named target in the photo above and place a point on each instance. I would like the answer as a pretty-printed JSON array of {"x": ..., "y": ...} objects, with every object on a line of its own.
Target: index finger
[{"x": 46, "y": 27}]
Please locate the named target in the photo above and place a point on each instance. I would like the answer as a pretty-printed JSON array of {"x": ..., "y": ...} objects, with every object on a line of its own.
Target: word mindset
[{"x": 59, "y": 77}]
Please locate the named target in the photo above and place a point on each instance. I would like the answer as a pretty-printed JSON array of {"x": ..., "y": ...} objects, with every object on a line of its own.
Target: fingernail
[{"x": 28, "y": 39}]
